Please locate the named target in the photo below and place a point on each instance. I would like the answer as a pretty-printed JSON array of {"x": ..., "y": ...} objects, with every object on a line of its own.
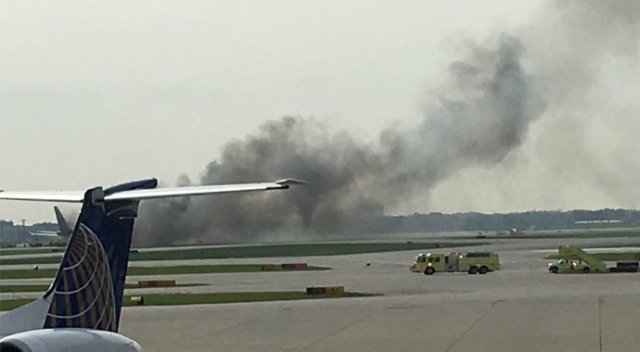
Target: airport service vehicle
[
  {"x": 574, "y": 260},
  {"x": 564, "y": 265},
  {"x": 472, "y": 263},
  {"x": 81, "y": 310}
]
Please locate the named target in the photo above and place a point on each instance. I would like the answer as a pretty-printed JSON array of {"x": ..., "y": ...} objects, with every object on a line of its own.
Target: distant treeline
[
  {"x": 439, "y": 222},
  {"x": 531, "y": 220},
  {"x": 15, "y": 233}
]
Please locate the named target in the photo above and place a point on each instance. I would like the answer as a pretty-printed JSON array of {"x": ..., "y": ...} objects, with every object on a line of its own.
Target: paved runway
[
  {"x": 394, "y": 323},
  {"x": 519, "y": 308}
]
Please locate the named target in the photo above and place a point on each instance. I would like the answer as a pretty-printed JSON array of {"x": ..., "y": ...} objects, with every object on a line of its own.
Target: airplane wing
[
  {"x": 47, "y": 196},
  {"x": 141, "y": 194}
]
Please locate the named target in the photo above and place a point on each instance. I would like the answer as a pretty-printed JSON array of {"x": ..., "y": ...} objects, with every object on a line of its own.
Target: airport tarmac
[
  {"x": 393, "y": 323},
  {"x": 522, "y": 307}
]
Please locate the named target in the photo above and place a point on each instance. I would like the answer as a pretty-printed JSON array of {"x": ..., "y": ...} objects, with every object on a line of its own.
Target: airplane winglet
[{"x": 290, "y": 181}]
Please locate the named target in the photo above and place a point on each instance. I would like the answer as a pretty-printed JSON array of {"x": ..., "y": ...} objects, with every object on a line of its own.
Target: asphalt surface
[{"x": 519, "y": 308}]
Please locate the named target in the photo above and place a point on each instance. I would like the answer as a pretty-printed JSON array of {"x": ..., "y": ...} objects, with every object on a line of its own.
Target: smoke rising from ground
[
  {"x": 581, "y": 152},
  {"x": 480, "y": 115},
  {"x": 478, "y": 119}
]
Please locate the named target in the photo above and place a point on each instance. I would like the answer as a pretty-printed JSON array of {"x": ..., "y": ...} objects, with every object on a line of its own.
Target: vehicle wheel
[
  {"x": 473, "y": 270},
  {"x": 483, "y": 270},
  {"x": 553, "y": 269},
  {"x": 586, "y": 270},
  {"x": 429, "y": 271}
]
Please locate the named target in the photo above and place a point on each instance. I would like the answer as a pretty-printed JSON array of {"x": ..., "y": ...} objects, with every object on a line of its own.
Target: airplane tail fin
[
  {"x": 63, "y": 225},
  {"x": 87, "y": 291},
  {"x": 89, "y": 286}
]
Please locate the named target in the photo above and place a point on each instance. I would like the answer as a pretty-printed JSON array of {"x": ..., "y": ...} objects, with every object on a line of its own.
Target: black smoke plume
[{"x": 480, "y": 115}]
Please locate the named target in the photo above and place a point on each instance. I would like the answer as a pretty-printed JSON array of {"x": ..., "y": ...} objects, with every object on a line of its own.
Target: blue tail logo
[
  {"x": 83, "y": 294},
  {"x": 88, "y": 289}
]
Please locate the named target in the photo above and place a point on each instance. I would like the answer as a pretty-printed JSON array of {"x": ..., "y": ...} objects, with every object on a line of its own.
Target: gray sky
[{"x": 96, "y": 94}]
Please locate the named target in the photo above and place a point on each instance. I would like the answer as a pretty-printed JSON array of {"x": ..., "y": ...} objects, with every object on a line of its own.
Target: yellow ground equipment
[
  {"x": 575, "y": 260},
  {"x": 472, "y": 263}
]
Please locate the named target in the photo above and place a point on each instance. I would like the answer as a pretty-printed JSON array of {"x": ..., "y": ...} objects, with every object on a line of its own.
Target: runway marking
[
  {"x": 475, "y": 322},
  {"x": 600, "y": 301}
]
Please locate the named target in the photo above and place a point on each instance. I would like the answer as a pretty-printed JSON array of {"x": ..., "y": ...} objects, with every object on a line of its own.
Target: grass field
[
  {"x": 9, "y": 304},
  {"x": 43, "y": 288},
  {"x": 161, "y": 270},
  {"x": 21, "y": 251},
  {"x": 607, "y": 256},
  {"x": 208, "y": 298},
  {"x": 23, "y": 288},
  {"x": 569, "y": 233},
  {"x": 261, "y": 251}
]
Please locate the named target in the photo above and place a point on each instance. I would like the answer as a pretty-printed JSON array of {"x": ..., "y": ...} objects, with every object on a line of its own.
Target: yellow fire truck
[{"x": 472, "y": 263}]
